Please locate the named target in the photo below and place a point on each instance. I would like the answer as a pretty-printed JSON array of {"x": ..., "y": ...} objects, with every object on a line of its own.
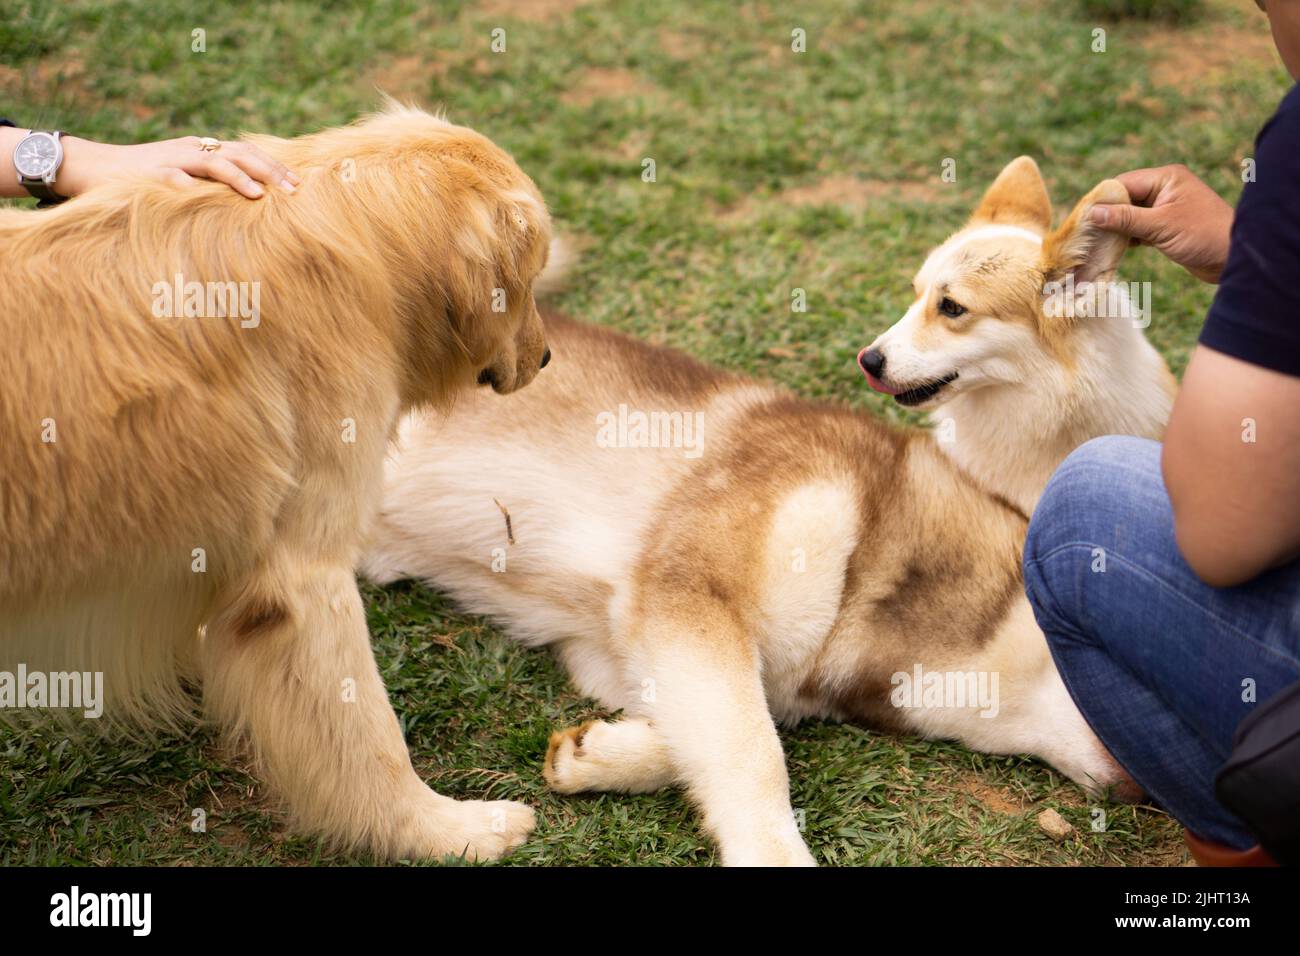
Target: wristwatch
[{"x": 37, "y": 158}]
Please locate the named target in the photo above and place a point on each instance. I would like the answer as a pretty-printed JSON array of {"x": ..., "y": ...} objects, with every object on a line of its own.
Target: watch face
[{"x": 36, "y": 156}]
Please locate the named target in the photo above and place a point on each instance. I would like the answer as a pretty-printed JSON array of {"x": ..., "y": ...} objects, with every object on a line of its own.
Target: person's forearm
[
  {"x": 75, "y": 155},
  {"x": 180, "y": 161},
  {"x": 1230, "y": 457},
  {"x": 9, "y": 138}
]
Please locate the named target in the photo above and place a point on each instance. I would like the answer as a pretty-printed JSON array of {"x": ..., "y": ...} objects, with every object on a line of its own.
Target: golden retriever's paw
[
  {"x": 474, "y": 830},
  {"x": 778, "y": 851},
  {"x": 564, "y": 769},
  {"x": 488, "y": 829}
]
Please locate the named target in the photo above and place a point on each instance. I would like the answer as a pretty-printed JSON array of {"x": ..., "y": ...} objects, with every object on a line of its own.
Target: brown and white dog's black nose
[
  {"x": 872, "y": 362},
  {"x": 546, "y": 358}
]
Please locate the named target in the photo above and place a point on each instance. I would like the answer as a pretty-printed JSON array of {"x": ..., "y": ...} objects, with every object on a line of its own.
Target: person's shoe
[{"x": 1206, "y": 853}]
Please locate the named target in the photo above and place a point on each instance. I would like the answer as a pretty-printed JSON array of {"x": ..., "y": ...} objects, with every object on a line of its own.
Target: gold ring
[{"x": 208, "y": 144}]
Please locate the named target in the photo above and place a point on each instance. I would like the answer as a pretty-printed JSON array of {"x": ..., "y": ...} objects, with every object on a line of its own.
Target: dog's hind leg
[
  {"x": 288, "y": 665},
  {"x": 622, "y": 756},
  {"x": 709, "y": 706}
]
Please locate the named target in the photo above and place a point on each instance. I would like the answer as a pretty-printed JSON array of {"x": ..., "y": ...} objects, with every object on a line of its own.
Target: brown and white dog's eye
[{"x": 950, "y": 308}]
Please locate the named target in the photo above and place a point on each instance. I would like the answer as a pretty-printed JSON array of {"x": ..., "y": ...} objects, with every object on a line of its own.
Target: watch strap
[{"x": 46, "y": 195}]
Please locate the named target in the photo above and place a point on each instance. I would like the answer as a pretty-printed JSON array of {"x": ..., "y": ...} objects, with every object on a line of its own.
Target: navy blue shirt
[{"x": 1255, "y": 315}]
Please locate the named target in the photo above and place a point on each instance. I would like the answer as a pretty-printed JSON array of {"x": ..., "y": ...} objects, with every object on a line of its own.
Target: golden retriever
[{"x": 197, "y": 395}]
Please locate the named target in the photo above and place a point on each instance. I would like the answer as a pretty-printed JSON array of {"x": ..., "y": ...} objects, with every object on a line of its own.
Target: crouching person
[{"x": 1165, "y": 576}]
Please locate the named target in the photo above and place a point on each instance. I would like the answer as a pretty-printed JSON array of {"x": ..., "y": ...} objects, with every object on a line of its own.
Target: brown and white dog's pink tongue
[{"x": 878, "y": 385}]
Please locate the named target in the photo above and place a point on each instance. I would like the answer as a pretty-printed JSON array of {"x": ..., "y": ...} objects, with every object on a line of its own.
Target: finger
[
  {"x": 172, "y": 176},
  {"x": 1137, "y": 222},
  {"x": 224, "y": 171},
  {"x": 1144, "y": 185},
  {"x": 284, "y": 173},
  {"x": 262, "y": 168}
]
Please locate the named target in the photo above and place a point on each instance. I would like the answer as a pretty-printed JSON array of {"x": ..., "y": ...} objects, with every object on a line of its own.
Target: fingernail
[
  {"x": 255, "y": 189},
  {"x": 1100, "y": 215},
  {"x": 287, "y": 186},
  {"x": 294, "y": 178}
]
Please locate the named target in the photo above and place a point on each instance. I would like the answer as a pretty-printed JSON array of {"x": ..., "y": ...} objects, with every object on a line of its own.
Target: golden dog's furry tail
[{"x": 560, "y": 262}]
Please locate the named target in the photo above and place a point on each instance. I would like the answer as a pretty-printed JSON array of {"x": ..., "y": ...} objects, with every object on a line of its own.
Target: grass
[{"x": 774, "y": 170}]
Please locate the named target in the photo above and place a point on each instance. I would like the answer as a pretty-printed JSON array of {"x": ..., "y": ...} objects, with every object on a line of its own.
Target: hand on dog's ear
[
  {"x": 1081, "y": 248},
  {"x": 1018, "y": 197}
]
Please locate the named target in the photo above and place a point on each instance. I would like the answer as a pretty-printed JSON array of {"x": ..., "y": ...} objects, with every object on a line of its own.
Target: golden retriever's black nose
[
  {"x": 546, "y": 358},
  {"x": 872, "y": 362}
]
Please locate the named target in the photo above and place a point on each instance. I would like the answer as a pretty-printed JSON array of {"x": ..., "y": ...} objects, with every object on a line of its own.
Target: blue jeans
[{"x": 1162, "y": 666}]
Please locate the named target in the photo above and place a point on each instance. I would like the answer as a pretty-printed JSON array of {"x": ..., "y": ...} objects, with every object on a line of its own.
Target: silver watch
[{"x": 37, "y": 158}]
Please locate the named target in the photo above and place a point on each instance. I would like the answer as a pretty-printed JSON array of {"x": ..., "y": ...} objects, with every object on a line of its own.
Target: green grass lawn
[{"x": 818, "y": 170}]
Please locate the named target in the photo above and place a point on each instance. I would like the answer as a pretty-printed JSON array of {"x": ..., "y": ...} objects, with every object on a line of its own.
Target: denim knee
[{"x": 1099, "y": 498}]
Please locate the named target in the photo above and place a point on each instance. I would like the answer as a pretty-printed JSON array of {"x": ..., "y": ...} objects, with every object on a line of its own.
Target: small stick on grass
[{"x": 510, "y": 531}]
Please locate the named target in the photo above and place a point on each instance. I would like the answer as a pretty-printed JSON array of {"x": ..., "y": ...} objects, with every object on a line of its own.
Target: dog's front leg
[
  {"x": 288, "y": 666},
  {"x": 701, "y": 687}
]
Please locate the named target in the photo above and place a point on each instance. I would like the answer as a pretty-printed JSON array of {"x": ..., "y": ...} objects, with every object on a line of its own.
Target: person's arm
[
  {"x": 87, "y": 164},
  {"x": 1231, "y": 465},
  {"x": 10, "y": 137},
  {"x": 1231, "y": 458}
]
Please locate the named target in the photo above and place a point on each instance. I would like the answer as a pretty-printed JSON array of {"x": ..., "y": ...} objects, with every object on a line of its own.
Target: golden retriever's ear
[
  {"x": 1018, "y": 197},
  {"x": 1082, "y": 249},
  {"x": 523, "y": 232}
]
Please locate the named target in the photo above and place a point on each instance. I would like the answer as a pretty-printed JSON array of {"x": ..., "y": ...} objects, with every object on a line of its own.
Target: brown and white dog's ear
[
  {"x": 1018, "y": 197},
  {"x": 1080, "y": 247}
]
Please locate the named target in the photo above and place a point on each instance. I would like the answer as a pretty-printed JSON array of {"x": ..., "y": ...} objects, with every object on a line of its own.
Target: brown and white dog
[
  {"x": 196, "y": 395},
  {"x": 713, "y": 556}
]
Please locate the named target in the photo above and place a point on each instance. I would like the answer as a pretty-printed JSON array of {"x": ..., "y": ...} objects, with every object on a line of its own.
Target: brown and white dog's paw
[
  {"x": 619, "y": 756},
  {"x": 565, "y": 770}
]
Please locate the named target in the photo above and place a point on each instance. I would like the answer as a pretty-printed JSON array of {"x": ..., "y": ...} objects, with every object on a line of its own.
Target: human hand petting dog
[
  {"x": 86, "y": 164},
  {"x": 1176, "y": 213},
  {"x": 241, "y": 166}
]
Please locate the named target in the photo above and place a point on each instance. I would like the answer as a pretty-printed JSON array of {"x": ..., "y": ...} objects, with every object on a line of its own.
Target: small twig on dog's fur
[{"x": 510, "y": 531}]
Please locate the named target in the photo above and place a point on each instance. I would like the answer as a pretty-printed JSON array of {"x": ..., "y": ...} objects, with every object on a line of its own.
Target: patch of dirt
[
  {"x": 994, "y": 799},
  {"x": 1191, "y": 59},
  {"x": 1171, "y": 852},
  {"x": 1151, "y": 105},
  {"x": 681, "y": 44},
  {"x": 634, "y": 147},
  {"x": 534, "y": 11},
  {"x": 409, "y": 77},
  {"x": 65, "y": 73},
  {"x": 848, "y": 192},
  {"x": 856, "y": 193},
  {"x": 599, "y": 83},
  {"x": 1068, "y": 796}
]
